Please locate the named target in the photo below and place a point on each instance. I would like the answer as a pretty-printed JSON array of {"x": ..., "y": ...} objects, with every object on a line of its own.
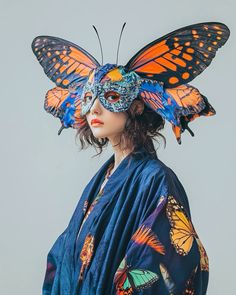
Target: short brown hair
[{"x": 140, "y": 131}]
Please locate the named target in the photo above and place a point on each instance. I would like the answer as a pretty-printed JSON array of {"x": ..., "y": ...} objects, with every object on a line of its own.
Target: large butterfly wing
[
  {"x": 178, "y": 57},
  {"x": 191, "y": 105},
  {"x": 141, "y": 279},
  {"x": 66, "y": 106},
  {"x": 179, "y": 105},
  {"x": 182, "y": 232},
  {"x": 63, "y": 62},
  {"x": 208, "y": 110}
]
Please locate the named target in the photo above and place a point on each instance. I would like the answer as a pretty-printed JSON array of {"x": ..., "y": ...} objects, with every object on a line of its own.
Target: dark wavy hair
[{"x": 139, "y": 132}]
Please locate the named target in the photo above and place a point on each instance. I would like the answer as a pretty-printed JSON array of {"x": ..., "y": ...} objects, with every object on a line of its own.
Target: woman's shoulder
[
  {"x": 155, "y": 168},
  {"x": 161, "y": 177}
]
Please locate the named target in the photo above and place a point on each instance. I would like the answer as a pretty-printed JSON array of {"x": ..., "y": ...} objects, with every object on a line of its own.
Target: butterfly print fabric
[{"x": 138, "y": 237}]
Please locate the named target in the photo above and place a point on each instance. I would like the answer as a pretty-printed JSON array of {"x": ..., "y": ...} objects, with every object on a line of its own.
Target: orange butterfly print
[
  {"x": 182, "y": 232},
  {"x": 145, "y": 236}
]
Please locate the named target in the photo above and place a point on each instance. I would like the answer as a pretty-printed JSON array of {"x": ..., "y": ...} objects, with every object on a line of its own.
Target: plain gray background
[{"x": 43, "y": 174}]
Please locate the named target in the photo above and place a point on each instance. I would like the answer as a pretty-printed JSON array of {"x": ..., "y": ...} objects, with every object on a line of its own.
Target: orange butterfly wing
[
  {"x": 145, "y": 236},
  {"x": 181, "y": 55},
  {"x": 182, "y": 232},
  {"x": 54, "y": 98},
  {"x": 53, "y": 105},
  {"x": 63, "y": 62},
  {"x": 193, "y": 105}
]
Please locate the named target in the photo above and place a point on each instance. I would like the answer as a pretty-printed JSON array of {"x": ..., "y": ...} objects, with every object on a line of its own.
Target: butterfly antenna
[
  {"x": 99, "y": 42},
  {"x": 119, "y": 43}
]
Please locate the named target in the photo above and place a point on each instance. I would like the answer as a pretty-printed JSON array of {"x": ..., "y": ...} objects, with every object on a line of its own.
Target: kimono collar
[{"x": 124, "y": 169}]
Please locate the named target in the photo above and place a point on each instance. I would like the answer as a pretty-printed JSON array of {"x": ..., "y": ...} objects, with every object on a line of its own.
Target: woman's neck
[
  {"x": 119, "y": 155},
  {"x": 119, "y": 152}
]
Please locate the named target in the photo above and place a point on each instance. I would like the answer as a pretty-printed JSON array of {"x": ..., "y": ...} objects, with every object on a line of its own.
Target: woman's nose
[{"x": 96, "y": 106}]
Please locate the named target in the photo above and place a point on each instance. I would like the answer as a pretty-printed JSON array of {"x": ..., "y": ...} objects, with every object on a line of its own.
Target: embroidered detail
[
  {"x": 100, "y": 193},
  {"x": 86, "y": 254}
]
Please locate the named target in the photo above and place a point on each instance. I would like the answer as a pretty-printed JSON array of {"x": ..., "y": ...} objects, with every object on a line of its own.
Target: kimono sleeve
[
  {"x": 165, "y": 255},
  {"x": 54, "y": 258}
]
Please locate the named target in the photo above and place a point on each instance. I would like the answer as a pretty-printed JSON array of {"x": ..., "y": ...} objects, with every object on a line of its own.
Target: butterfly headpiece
[{"x": 158, "y": 74}]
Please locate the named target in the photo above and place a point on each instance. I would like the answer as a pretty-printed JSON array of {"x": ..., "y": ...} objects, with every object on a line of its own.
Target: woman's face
[{"x": 112, "y": 123}]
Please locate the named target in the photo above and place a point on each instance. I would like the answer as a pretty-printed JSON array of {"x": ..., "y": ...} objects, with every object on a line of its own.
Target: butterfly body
[{"x": 158, "y": 74}]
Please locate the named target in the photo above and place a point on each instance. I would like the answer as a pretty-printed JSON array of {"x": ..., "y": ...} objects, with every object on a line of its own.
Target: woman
[
  {"x": 131, "y": 232},
  {"x": 133, "y": 235}
]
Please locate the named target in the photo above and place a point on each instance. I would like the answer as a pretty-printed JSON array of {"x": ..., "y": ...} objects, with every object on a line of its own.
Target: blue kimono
[{"x": 138, "y": 237}]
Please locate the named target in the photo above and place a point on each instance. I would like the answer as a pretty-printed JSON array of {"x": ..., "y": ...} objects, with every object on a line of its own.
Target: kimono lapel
[{"x": 71, "y": 261}]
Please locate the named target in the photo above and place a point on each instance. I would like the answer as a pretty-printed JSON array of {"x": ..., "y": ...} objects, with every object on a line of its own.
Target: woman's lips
[{"x": 96, "y": 121}]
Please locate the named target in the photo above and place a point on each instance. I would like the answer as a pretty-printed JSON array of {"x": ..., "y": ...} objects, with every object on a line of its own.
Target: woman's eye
[
  {"x": 87, "y": 97},
  {"x": 112, "y": 96}
]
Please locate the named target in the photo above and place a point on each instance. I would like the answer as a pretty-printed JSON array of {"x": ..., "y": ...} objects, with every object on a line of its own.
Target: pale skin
[{"x": 112, "y": 127}]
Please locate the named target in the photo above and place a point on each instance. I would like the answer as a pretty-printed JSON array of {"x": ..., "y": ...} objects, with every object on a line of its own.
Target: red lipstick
[{"x": 96, "y": 121}]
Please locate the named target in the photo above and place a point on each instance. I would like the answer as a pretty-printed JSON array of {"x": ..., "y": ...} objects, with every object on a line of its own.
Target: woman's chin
[{"x": 99, "y": 135}]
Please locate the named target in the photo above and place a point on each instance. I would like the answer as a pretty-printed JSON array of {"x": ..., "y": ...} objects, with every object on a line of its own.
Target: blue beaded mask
[{"x": 115, "y": 89}]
